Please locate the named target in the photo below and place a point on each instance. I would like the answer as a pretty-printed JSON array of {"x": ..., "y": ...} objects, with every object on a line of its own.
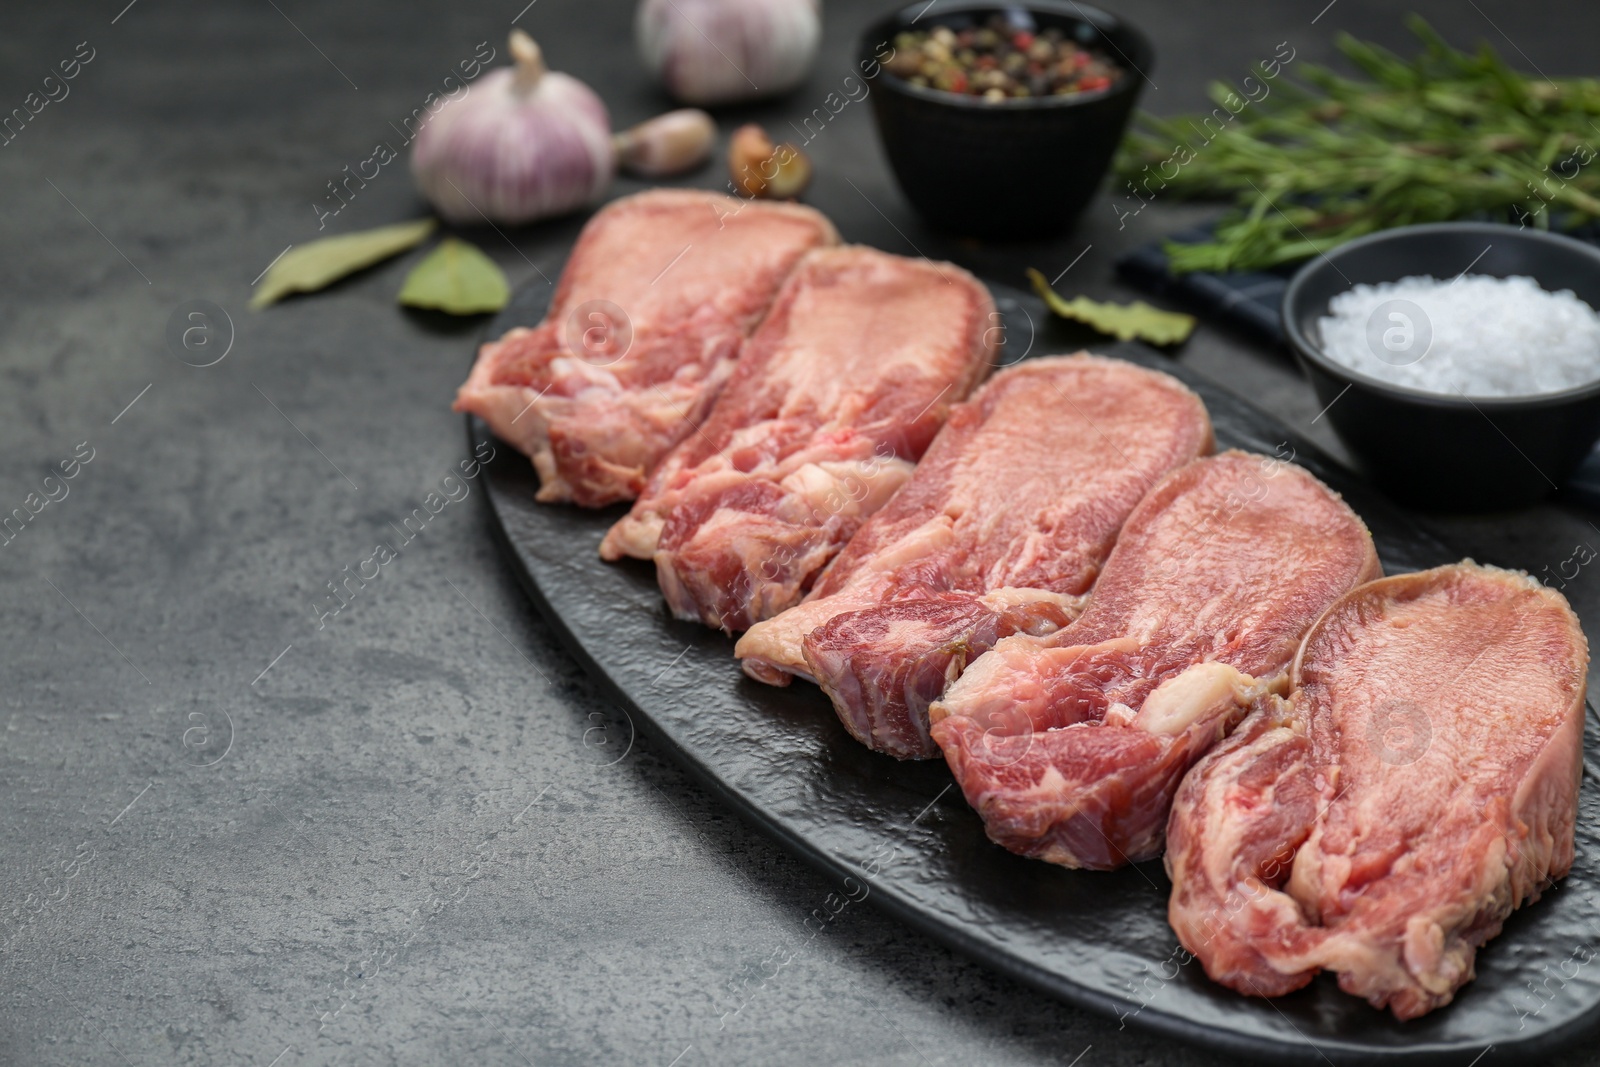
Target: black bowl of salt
[{"x": 1459, "y": 362}]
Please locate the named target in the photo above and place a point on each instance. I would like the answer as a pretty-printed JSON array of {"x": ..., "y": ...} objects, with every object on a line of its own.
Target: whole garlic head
[
  {"x": 720, "y": 51},
  {"x": 526, "y": 143}
]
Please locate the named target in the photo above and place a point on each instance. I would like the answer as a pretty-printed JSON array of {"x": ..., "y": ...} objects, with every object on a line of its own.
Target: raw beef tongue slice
[
  {"x": 1003, "y": 526},
  {"x": 1420, "y": 784},
  {"x": 643, "y": 329},
  {"x": 1070, "y": 746},
  {"x": 835, "y": 397}
]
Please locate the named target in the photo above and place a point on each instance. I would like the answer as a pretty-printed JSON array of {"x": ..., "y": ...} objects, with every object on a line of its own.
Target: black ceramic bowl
[
  {"x": 1449, "y": 451},
  {"x": 1021, "y": 168}
]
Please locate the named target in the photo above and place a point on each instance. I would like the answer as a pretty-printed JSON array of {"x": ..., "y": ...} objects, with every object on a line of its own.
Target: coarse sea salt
[{"x": 1476, "y": 336}]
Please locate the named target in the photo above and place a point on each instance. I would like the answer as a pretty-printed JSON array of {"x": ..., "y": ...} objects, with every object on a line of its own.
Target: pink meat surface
[
  {"x": 644, "y": 327},
  {"x": 1420, "y": 784},
  {"x": 834, "y": 399},
  {"x": 1070, "y": 746},
  {"x": 1002, "y": 528}
]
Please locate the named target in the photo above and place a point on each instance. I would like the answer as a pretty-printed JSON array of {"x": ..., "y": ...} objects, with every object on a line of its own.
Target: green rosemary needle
[{"x": 1309, "y": 165}]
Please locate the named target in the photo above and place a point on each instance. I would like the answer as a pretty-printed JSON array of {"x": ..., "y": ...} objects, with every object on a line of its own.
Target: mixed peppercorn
[{"x": 998, "y": 61}]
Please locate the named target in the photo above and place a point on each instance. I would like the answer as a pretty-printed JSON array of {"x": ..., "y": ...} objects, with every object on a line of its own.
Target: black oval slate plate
[{"x": 900, "y": 835}]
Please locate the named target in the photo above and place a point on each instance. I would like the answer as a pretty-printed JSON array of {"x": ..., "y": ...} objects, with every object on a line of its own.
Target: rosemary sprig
[{"x": 1310, "y": 165}]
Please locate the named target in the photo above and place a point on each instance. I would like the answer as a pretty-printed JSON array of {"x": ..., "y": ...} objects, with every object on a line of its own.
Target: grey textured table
[{"x": 417, "y": 834}]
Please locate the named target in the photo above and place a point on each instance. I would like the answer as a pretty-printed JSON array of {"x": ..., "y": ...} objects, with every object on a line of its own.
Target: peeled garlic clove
[
  {"x": 525, "y": 143},
  {"x": 668, "y": 144},
  {"x": 748, "y": 150},
  {"x": 720, "y": 51},
  {"x": 760, "y": 168},
  {"x": 793, "y": 174}
]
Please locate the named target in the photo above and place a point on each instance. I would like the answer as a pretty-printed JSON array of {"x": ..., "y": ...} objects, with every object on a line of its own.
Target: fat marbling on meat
[
  {"x": 834, "y": 399},
  {"x": 1419, "y": 785},
  {"x": 643, "y": 329},
  {"x": 1003, "y": 526},
  {"x": 1070, "y": 746}
]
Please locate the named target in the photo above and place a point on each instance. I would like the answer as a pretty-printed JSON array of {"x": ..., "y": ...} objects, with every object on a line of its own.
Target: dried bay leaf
[
  {"x": 1126, "y": 322},
  {"x": 458, "y": 279},
  {"x": 313, "y": 266}
]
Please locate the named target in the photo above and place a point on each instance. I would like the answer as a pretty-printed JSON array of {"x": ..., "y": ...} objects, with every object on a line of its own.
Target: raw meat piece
[
  {"x": 1070, "y": 746},
  {"x": 835, "y": 397},
  {"x": 1421, "y": 783},
  {"x": 643, "y": 329},
  {"x": 1004, "y": 525}
]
